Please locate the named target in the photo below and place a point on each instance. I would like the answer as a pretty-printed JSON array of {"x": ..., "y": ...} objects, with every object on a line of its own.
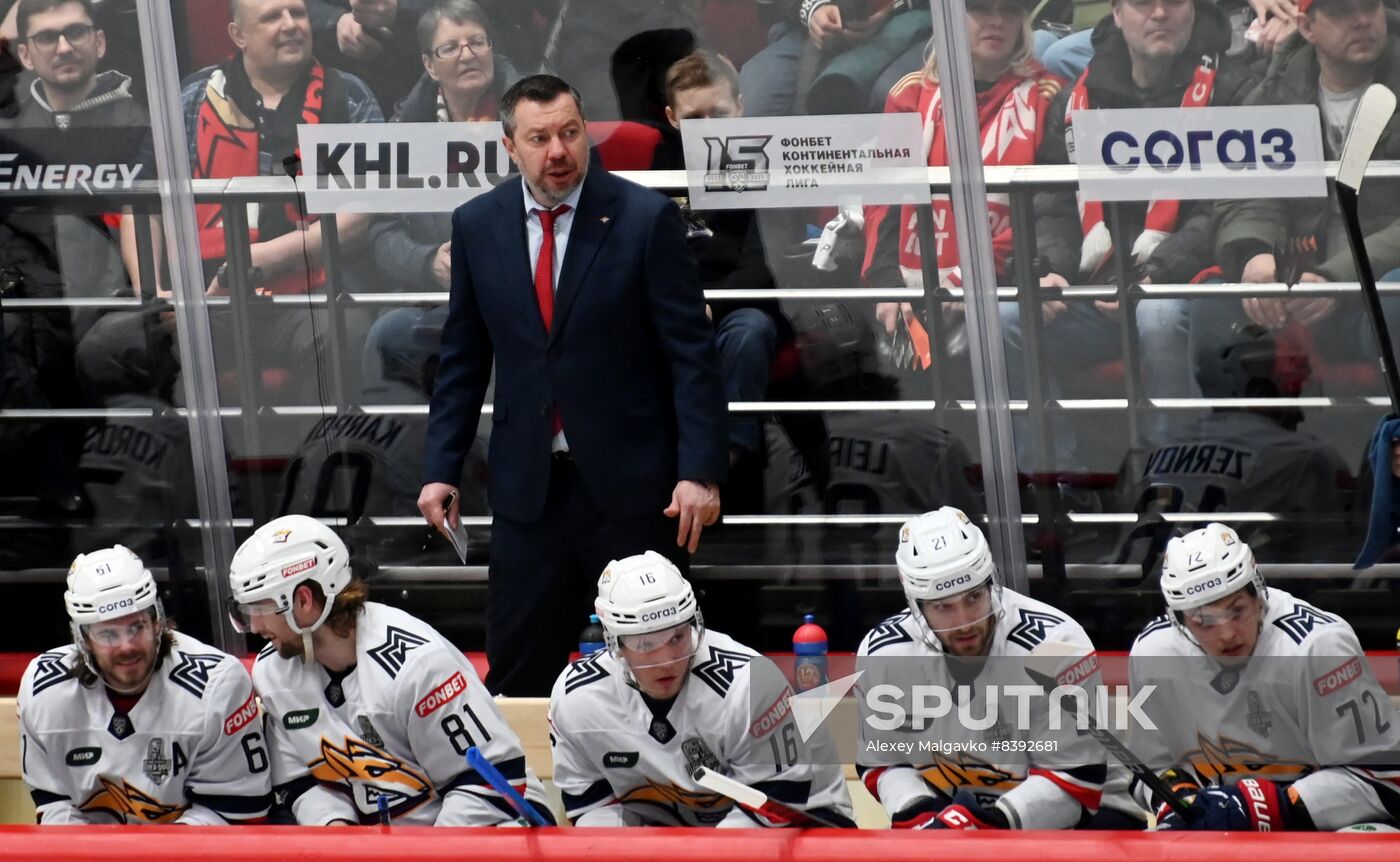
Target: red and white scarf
[
  {"x": 1162, "y": 215},
  {"x": 1008, "y": 115}
]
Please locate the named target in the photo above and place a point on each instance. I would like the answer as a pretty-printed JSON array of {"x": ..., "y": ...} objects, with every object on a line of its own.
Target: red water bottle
[{"x": 809, "y": 645}]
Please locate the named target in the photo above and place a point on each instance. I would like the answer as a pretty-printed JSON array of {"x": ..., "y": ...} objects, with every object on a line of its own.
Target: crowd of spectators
[{"x": 644, "y": 67}]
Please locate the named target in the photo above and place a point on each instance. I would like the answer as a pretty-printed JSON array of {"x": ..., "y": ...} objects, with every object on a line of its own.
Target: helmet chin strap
[{"x": 308, "y": 651}]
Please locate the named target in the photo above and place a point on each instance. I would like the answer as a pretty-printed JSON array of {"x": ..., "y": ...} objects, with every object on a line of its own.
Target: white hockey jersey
[
  {"x": 1040, "y": 778},
  {"x": 398, "y": 725},
  {"x": 191, "y": 750},
  {"x": 616, "y": 763},
  {"x": 1305, "y": 709}
]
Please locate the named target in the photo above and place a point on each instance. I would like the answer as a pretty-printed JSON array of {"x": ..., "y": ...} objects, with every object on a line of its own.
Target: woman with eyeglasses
[{"x": 462, "y": 82}]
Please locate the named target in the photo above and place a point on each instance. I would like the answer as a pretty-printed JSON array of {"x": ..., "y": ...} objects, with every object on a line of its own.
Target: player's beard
[{"x": 293, "y": 648}]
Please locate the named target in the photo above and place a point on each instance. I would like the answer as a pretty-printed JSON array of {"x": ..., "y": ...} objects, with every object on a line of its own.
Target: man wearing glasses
[
  {"x": 134, "y": 722},
  {"x": 1269, "y": 716},
  {"x": 60, "y": 45}
]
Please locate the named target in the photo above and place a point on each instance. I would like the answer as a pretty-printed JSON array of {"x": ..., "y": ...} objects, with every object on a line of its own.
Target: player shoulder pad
[
  {"x": 584, "y": 671},
  {"x": 393, "y": 650},
  {"x": 49, "y": 669},
  {"x": 1161, "y": 623},
  {"x": 889, "y": 632},
  {"x": 192, "y": 665},
  {"x": 1030, "y": 622},
  {"x": 1302, "y": 622},
  {"x": 723, "y": 663}
]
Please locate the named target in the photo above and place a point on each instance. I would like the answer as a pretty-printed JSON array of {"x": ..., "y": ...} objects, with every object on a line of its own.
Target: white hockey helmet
[
  {"x": 942, "y": 554},
  {"x": 642, "y": 594},
  {"x": 107, "y": 585},
  {"x": 280, "y": 556},
  {"x": 1205, "y": 566}
]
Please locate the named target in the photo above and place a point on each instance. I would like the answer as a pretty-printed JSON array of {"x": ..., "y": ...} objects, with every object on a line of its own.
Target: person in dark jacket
[
  {"x": 1147, "y": 54},
  {"x": 463, "y": 81},
  {"x": 1342, "y": 47}
]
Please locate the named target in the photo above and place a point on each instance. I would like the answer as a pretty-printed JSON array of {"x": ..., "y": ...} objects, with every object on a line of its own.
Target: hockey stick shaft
[
  {"x": 1124, "y": 755},
  {"x": 1368, "y": 125},
  {"x": 756, "y": 800},
  {"x": 1351, "y": 218},
  {"x": 487, "y": 770}
]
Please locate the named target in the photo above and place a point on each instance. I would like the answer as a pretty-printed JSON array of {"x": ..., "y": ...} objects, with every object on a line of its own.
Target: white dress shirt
[{"x": 534, "y": 237}]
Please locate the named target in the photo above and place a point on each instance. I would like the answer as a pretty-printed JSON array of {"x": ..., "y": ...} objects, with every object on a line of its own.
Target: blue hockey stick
[{"x": 486, "y": 769}]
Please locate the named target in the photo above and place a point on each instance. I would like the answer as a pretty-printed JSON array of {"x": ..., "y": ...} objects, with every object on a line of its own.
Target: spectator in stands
[
  {"x": 588, "y": 33},
  {"x": 728, "y": 247},
  {"x": 1342, "y": 46},
  {"x": 834, "y": 57},
  {"x": 71, "y": 114},
  {"x": 1242, "y": 459},
  {"x": 371, "y": 39},
  {"x": 241, "y": 119},
  {"x": 1013, "y": 97},
  {"x": 1148, "y": 54},
  {"x": 411, "y": 250},
  {"x": 463, "y": 82},
  {"x": 61, "y": 45},
  {"x": 1257, "y": 27}
]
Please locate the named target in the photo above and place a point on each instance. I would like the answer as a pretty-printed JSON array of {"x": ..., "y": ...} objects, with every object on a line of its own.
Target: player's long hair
[
  {"x": 349, "y": 604},
  {"x": 87, "y": 674}
]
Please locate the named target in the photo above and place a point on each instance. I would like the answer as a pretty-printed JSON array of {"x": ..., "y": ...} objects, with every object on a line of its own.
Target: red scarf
[
  {"x": 1161, "y": 214},
  {"x": 227, "y": 143},
  {"x": 1009, "y": 115}
]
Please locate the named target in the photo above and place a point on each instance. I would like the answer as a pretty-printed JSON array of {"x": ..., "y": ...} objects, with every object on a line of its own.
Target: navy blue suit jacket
[{"x": 630, "y": 361}]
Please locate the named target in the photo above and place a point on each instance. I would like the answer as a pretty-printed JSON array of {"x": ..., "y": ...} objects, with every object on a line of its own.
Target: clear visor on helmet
[
  {"x": 1241, "y": 607},
  {"x": 115, "y": 633},
  {"x": 243, "y": 615},
  {"x": 960, "y": 611},
  {"x": 666, "y": 646}
]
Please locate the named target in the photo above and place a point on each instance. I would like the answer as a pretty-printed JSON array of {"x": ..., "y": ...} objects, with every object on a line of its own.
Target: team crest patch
[
  {"x": 281, "y": 536},
  {"x": 661, "y": 730},
  {"x": 156, "y": 765},
  {"x": 698, "y": 754},
  {"x": 1225, "y": 681},
  {"x": 120, "y": 726}
]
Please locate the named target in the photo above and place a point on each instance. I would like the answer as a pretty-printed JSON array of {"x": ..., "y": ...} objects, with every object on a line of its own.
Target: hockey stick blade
[
  {"x": 757, "y": 800},
  {"x": 487, "y": 770},
  {"x": 1372, "y": 115},
  {"x": 1115, "y": 746}
]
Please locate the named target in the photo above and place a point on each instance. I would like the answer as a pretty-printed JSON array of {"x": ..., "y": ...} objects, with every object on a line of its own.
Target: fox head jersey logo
[
  {"x": 369, "y": 774},
  {"x": 130, "y": 804}
]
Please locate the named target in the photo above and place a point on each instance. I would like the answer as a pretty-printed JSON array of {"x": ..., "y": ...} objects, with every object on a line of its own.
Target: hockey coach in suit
[{"x": 609, "y": 425}]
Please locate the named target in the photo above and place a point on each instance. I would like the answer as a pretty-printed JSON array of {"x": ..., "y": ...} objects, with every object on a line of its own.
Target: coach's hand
[
  {"x": 694, "y": 504},
  {"x": 433, "y": 503}
]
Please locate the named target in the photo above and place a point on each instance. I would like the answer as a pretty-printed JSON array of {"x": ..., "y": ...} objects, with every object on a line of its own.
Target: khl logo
[{"x": 737, "y": 164}]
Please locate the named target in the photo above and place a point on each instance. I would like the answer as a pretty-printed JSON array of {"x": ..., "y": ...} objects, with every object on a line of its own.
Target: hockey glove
[
  {"x": 967, "y": 813},
  {"x": 1251, "y": 805},
  {"x": 920, "y": 814}
]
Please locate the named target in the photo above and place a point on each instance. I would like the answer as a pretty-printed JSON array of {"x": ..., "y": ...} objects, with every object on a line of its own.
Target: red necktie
[
  {"x": 544, "y": 283},
  {"x": 544, "y": 266}
]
